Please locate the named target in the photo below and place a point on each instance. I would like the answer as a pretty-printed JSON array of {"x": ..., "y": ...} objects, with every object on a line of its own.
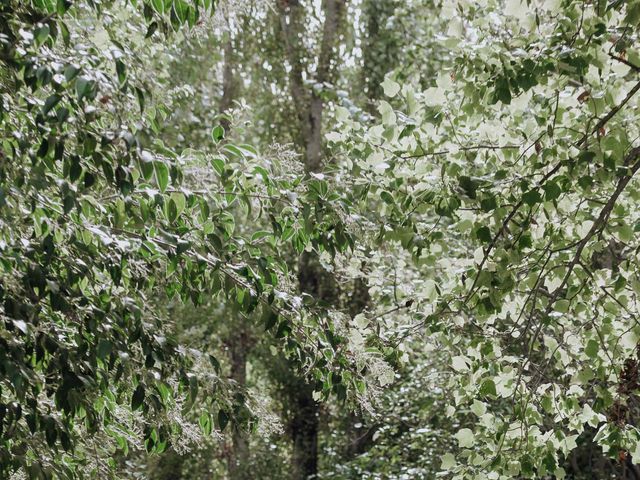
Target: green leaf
[
  {"x": 51, "y": 431},
  {"x": 551, "y": 190},
  {"x": 488, "y": 204},
  {"x": 484, "y": 234},
  {"x": 448, "y": 461},
  {"x": 469, "y": 186},
  {"x": 205, "y": 423},
  {"x": 71, "y": 72},
  {"x": 587, "y": 156},
  {"x": 180, "y": 201},
  {"x": 562, "y": 306},
  {"x": 625, "y": 233},
  {"x": 217, "y": 134},
  {"x": 158, "y": 6},
  {"x": 259, "y": 235},
  {"x": 181, "y": 9},
  {"x": 104, "y": 349},
  {"x": 83, "y": 87},
  {"x": 218, "y": 165},
  {"x": 387, "y": 197},
  {"x": 153, "y": 26},
  {"x": 62, "y": 6},
  {"x": 633, "y": 13},
  {"x": 532, "y": 197},
  {"x": 138, "y": 397},
  {"x": 592, "y": 349},
  {"x": 270, "y": 319},
  {"x": 214, "y": 363},
  {"x": 502, "y": 92},
  {"x": 223, "y": 419},
  {"x": 162, "y": 175},
  {"x": 42, "y": 33},
  {"x": 465, "y": 438},
  {"x": 50, "y": 103},
  {"x": 171, "y": 210},
  {"x": 390, "y": 87},
  {"x": 146, "y": 167},
  {"x": 488, "y": 388},
  {"x": 121, "y": 71},
  {"x": 234, "y": 151}
]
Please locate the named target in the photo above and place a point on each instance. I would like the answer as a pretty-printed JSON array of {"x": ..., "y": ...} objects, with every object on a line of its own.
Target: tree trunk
[
  {"x": 229, "y": 83},
  {"x": 304, "y": 432},
  {"x": 312, "y": 278},
  {"x": 379, "y": 48},
  {"x": 333, "y": 11},
  {"x": 379, "y": 53},
  {"x": 310, "y": 104},
  {"x": 239, "y": 345},
  {"x": 239, "y": 341},
  {"x": 358, "y": 435}
]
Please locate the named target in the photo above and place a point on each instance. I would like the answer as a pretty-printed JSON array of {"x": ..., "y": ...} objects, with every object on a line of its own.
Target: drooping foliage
[{"x": 100, "y": 219}]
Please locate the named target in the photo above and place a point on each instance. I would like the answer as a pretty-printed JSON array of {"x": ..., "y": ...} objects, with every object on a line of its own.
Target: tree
[
  {"x": 97, "y": 220},
  {"x": 313, "y": 278},
  {"x": 522, "y": 153}
]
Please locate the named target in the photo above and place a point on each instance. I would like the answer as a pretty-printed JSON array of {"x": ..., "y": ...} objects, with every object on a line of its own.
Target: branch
[
  {"x": 555, "y": 169},
  {"x": 463, "y": 149},
  {"x": 597, "y": 226},
  {"x": 210, "y": 191},
  {"x": 609, "y": 115},
  {"x": 600, "y": 222},
  {"x": 503, "y": 228},
  {"x": 633, "y": 66},
  {"x": 397, "y": 308},
  {"x": 218, "y": 264}
]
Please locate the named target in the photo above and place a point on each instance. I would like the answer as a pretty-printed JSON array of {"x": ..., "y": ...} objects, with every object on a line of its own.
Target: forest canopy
[{"x": 324, "y": 239}]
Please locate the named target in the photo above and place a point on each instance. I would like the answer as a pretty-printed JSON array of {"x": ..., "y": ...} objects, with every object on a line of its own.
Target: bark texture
[
  {"x": 229, "y": 83},
  {"x": 312, "y": 278},
  {"x": 309, "y": 103},
  {"x": 239, "y": 343},
  {"x": 380, "y": 48}
]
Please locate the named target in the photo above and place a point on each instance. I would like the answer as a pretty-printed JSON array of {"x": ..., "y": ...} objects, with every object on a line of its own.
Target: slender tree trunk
[
  {"x": 312, "y": 278},
  {"x": 358, "y": 435},
  {"x": 239, "y": 345},
  {"x": 291, "y": 16},
  {"x": 310, "y": 104},
  {"x": 379, "y": 53},
  {"x": 319, "y": 283},
  {"x": 333, "y": 11},
  {"x": 304, "y": 432},
  {"x": 379, "y": 48},
  {"x": 632, "y": 469},
  {"x": 229, "y": 82},
  {"x": 239, "y": 341}
]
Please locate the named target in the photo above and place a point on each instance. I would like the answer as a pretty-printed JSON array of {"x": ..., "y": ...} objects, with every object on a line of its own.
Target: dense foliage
[
  {"x": 517, "y": 169},
  {"x": 98, "y": 218},
  {"x": 303, "y": 239}
]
